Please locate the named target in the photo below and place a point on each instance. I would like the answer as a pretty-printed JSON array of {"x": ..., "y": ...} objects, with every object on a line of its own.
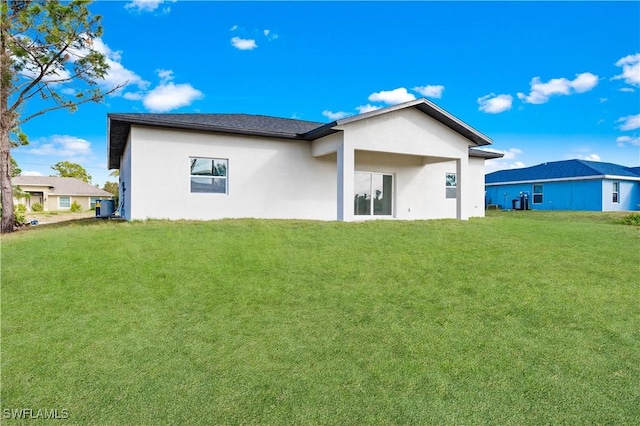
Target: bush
[
  {"x": 37, "y": 207},
  {"x": 631, "y": 219},
  {"x": 19, "y": 212},
  {"x": 75, "y": 207}
]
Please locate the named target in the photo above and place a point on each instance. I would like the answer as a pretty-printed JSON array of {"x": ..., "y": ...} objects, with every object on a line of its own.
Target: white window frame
[
  {"x": 615, "y": 195},
  {"x": 540, "y": 194},
  {"x": 451, "y": 191},
  {"x": 60, "y": 206},
  {"x": 94, "y": 201},
  {"x": 226, "y": 177}
]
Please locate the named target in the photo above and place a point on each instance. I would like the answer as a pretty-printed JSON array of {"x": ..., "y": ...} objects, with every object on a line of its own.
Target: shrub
[
  {"x": 75, "y": 207},
  {"x": 19, "y": 212},
  {"x": 37, "y": 207},
  {"x": 631, "y": 219}
]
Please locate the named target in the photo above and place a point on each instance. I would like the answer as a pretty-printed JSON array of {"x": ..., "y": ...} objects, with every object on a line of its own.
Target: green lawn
[{"x": 517, "y": 318}]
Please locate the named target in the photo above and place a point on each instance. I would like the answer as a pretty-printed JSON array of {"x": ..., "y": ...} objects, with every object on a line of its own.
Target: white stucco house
[{"x": 409, "y": 161}]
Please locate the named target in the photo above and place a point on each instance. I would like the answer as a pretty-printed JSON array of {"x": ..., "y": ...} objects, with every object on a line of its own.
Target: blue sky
[{"x": 546, "y": 81}]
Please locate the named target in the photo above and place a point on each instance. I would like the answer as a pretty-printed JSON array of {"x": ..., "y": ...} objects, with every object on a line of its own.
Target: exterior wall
[
  {"x": 566, "y": 195},
  {"x": 51, "y": 202},
  {"x": 475, "y": 182},
  {"x": 274, "y": 178},
  {"x": 125, "y": 182},
  {"x": 267, "y": 178},
  {"x": 628, "y": 195}
]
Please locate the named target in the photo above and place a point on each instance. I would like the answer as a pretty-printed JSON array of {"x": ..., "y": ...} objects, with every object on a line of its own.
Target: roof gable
[{"x": 561, "y": 170}]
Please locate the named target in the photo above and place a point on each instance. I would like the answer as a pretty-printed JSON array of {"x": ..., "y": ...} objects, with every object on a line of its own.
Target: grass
[{"x": 517, "y": 318}]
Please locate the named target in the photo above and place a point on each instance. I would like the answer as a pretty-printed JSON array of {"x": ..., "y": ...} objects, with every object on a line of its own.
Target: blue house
[{"x": 566, "y": 185}]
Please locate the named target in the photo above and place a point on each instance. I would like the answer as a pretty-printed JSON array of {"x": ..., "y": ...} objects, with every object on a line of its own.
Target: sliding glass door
[{"x": 373, "y": 194}]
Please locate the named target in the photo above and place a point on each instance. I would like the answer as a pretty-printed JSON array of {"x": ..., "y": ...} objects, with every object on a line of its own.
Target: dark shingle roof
[
  {"x": 60, "y": 185},
  {"x": 560, "y": 170}
]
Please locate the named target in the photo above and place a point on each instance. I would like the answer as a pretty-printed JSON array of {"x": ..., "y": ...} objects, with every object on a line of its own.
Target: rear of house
[
  {"x": 55, "y": 193},
  {"x": 410, "y": 161},
  {"x": 566, "y": 185}
]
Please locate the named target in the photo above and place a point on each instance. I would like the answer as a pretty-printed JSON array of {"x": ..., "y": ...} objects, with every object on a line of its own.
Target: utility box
[{"x": 104, "y": 208}]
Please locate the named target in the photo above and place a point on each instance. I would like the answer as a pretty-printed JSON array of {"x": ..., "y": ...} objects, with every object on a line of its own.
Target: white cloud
[
  {"x": 243, "y": 44},
  {"x": 430, "y": 91},
  {"x": 603, "y": 100},
  {"x": 495, "y": 104},
  {"x": 168, "y": 95},
  {"x": 147, "y": 5},
  {"x": 626, "y": 89},
  {"x": 495, "y": 165},
  {"x": 590, "y": 157},
  {"x": 630, "y": 69},
  {"x": 165, "y": 75},
  {"x": 269, "y": 35},
  {"x": 630, "y": 122},
  {"x": 133, "y": 96},
  {"x": 117, "y": 73},
  {"x": 392, "y": 97},
  {"x": 335, "y": 115},
  {"x": 62, "y": 146},
  {"x": 235, "y": 27},
  {"x": 509, "y": 154},
  {"x": 30, "y": 173},
  {"x": 624, "y": 140},
  {"x": 367, "y": 108},
  {"x": 584, "y": 82},
  {"x": 541, "y": 92}
]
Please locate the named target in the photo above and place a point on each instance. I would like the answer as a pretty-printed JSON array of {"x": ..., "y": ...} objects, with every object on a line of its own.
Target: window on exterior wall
[
  {"x": 209, "y": 175},
  {"x": 537, "y": 194},
  {"x": 373, "y": 194},
  {"x": 616, "y": 192},
  {"x": 92, "y": 202},
  {"x": 451, "y": 185},
  {"x": 64, "y": 202}
]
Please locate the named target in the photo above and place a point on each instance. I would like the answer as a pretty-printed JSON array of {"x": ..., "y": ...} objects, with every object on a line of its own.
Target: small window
[
  {"x": 616, "y": 192},
  {"x": 92, "y": 202},
  {"x": 64, "y": 202},
  {"x": 537, "y": 194},
  {"x": 209, "y": 175},
  {"x": 451, "y": 185}
]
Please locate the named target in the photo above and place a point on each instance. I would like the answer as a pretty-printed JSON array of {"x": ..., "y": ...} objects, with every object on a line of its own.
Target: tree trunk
[{"x": 8, "y": 217}]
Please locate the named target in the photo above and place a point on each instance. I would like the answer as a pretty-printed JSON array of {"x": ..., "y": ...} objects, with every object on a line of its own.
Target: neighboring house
[
  {"x": 409, "y": 161},
  {"x": 567, "y": 185},
  {"x": 58, "y": 193}
]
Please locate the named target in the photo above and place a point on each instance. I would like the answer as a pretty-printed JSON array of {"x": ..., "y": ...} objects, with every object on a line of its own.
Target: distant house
[
  {"x": 58, "y": 193},
  {"x": 567, "y": 185},
  {"x": 409, "y": 161}
]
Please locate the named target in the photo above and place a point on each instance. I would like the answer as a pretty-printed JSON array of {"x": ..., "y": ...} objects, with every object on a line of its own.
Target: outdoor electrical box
[{"x": 104, "y": 208}]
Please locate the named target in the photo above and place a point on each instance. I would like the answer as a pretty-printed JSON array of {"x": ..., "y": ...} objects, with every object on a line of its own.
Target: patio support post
[
  {"x": 346, "y": 164},
  {"x": 462, "y": 171}
]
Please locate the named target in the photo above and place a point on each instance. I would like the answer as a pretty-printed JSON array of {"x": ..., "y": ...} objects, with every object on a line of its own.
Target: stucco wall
[
  {"x": 51, "y": 202},
  {"x": 278, "y": 178},
  {"x": 266, "y": 178}
]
